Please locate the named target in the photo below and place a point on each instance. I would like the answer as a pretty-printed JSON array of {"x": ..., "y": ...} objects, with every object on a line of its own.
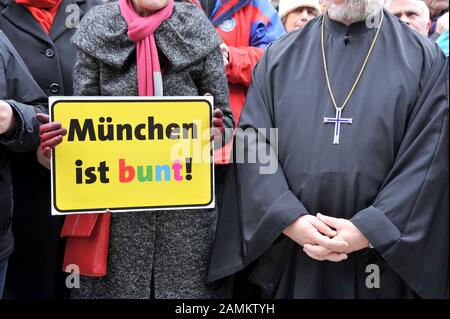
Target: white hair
[
  {"x": 353, "y": 10},
  {"x": 425, "y": 10}
]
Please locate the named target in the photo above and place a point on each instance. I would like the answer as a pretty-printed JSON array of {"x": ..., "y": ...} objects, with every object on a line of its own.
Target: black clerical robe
[{"x": 388, "y": 174}]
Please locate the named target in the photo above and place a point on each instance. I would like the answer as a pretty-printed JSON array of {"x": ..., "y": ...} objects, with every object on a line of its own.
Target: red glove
[
  {"x": 217, "y": 125},
  {"x": 51, "y": 133}
]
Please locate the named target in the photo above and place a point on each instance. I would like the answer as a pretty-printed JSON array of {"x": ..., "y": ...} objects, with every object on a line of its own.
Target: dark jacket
[
  {"x": 16, "y": 86},
  {"x": 50, "y": 59},
  {"x": 153, "y": 254}
]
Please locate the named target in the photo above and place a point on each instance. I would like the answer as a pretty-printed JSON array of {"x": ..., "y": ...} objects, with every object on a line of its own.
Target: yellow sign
[{"x": 132, "y": 154}]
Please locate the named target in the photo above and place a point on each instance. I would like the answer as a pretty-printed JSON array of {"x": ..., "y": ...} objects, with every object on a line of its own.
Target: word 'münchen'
[{"x": 106, "y": 130}]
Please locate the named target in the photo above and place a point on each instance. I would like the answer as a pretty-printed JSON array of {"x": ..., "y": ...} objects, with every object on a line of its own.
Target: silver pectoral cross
[{"x": 338, "y": 120}]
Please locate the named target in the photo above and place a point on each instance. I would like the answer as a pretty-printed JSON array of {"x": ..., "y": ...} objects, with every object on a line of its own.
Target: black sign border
[{"x": 61, "y": 211}]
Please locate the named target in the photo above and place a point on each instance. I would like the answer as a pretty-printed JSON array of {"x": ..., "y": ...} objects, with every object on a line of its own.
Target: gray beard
[{"x": 353, "y": 10}]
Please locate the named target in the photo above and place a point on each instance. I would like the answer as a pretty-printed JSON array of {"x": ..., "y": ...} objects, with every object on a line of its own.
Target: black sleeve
[
  {"x": 23, "y": 94},
  {"x": 408, "y": 221}
]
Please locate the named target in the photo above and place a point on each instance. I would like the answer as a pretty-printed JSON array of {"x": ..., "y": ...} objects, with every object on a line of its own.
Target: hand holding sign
[
  {"x": 217, "y": 125},
  {"x": 51, "y": 133}
]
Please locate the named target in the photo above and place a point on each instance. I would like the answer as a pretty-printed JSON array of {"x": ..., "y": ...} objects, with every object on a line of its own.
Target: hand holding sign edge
[{"x": 51, "y": 133}]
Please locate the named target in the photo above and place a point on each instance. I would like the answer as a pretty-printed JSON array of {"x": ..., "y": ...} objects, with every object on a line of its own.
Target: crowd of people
[{"x": 357, "y": 89}]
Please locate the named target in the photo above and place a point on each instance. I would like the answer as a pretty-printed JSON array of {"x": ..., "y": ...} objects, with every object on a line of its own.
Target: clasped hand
[{"x": 326, "y": 238}]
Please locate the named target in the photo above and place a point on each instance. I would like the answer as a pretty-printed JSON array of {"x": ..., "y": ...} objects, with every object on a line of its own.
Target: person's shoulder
[
  {"x": 86, "y": 5},
  {"x": 101, "y": 31},
  {"x": 102, "y": 12},
  {"x": 185, "y": 11},
  {"x": 191, "y": 22},
  {"x": 187, "y": 36},
  {"x": 101, "y": 22},
  {"x": 418, "y": 49}
]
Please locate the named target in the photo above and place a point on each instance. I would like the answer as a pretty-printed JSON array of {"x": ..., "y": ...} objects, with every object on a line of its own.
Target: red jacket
[{"x": 247, "y": 33}]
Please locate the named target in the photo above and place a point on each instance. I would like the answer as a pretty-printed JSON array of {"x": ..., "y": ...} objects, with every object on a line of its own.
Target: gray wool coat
[{"x": 153, "y": 254}]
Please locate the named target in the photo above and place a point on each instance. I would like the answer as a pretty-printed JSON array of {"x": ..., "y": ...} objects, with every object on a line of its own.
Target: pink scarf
[{"x": 141, "y": 31}]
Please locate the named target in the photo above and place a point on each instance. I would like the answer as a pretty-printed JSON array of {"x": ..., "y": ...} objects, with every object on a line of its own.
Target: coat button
[
  {"x": 49, "y": 53},
  {"x": 54, "y": 87}
]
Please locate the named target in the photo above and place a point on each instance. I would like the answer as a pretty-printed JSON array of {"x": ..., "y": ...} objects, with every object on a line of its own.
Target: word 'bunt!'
[{"x": 128, "y": 173}]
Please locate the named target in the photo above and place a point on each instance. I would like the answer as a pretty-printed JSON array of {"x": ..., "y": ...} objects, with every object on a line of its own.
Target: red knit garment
[{"x": 44, "y": 11}]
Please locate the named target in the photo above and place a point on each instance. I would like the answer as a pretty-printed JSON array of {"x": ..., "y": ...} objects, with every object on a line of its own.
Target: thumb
[
  {"x": 47, "y": 152},
  {"x": 218, "y": 113},
  {"x": 43, "y": 118}
]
